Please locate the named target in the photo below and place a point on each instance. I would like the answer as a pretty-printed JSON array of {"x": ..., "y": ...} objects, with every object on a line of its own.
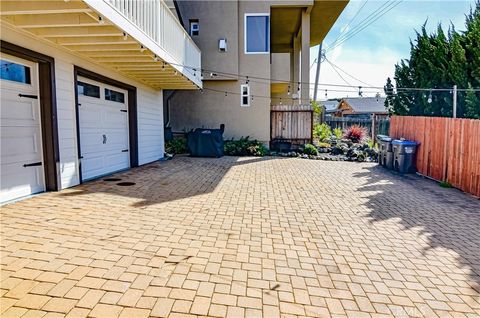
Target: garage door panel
[
  {"x": 20, "y": 130},
  {"x": 116, "y": 139},
  {"x": 18, "y": 111},
  {"x": 91, "y": 166},
  {"x": 117, "y": 161},
  {"x": 14, "y": 177},
  {"x": 20, "y": 144},
  {"x": 90, "y": 118},
  {"x": 91, "y": 139},
  {"x": 103, "y": 134},
  {"x": 115, "y": 119}
]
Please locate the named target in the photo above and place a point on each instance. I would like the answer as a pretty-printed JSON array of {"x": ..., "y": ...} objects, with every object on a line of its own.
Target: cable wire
[
  {"x": 349, "y": 23},
  {"x": 369, "y": 22},
  {"x": 345, "y": 72}
]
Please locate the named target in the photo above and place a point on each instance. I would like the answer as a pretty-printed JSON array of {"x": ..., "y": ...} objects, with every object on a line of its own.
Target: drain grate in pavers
[{"x": 126, "y": 184}]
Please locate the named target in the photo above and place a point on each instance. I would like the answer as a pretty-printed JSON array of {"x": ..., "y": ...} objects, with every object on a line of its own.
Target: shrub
[
  {"x": 310, "y": 149},
  {"x": 176, "y": 146},
  {"x": 324, "y": 145},
  {"x": 355, "y": 133},
  {"x": 337, "y": 132},
  {"x": 244, "y": 147},
  {"x": 322, "y": 132}
]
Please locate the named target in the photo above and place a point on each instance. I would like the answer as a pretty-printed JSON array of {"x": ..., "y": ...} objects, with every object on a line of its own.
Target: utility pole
[
  {"x": 317, "y": 75},
  {"x": 454, "y": 101}
]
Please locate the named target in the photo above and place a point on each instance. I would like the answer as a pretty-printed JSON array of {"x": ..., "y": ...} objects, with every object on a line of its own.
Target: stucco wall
[{"x": 210, "y": 109}]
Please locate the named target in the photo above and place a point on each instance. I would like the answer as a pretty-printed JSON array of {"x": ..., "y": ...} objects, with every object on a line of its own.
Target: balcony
[{"x": 141, "y": 39}]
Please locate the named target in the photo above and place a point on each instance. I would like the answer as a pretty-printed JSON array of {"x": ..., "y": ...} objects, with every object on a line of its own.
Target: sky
[{"x": 371, "y": 55}]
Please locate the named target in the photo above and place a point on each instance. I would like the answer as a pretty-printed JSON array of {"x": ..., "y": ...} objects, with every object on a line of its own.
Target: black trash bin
[
  {"x": 404, "y": 155},
  {"x": 206, "y": 142},
  {"x": 385, "y": 154}
]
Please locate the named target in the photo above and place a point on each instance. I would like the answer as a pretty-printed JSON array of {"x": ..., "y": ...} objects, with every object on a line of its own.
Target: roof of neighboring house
[
  {"x": 367, "y": 104},
  {"x": 330, "y": 105}
]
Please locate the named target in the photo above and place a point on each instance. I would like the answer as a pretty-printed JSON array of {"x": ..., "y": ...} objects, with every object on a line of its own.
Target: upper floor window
[
  {"x": 257, "y": 33},
  {"x": 194, "y": 27}
]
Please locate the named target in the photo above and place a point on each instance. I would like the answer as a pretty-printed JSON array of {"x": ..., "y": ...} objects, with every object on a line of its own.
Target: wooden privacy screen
[
  {"x": 291, "y": 123},
  {"x": 449, "y": 149}
]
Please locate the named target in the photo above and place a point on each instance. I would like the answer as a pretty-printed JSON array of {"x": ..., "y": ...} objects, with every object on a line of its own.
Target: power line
[
  {"x": 370, "y": 22},
  {"x": 345, "y": 30},
  {"x": 337, "y": 72},
  {"x": 361, "y": 23},
  {"x": 263, "y": 80},
  {"x": 345, "y": 72},
  {"x": 266, "y": 80}
]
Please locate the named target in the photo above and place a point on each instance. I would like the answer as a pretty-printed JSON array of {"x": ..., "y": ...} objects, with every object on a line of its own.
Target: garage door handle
[
  {"x": 32, "y": 164},
  {"x": 125, "y": 150},
  {"x": 28, "y": 96},
  {"x": 104, "y": 139}
]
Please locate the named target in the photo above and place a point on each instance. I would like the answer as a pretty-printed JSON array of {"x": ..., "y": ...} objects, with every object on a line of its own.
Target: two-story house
[
  {"x": 82, "y": 88},
  {"x": 82, "y": 81},
  {"x": 255, "y": 54}
]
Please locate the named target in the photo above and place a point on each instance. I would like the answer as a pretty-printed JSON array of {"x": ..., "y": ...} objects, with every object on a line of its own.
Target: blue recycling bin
[{"x": 404, "y": 155}]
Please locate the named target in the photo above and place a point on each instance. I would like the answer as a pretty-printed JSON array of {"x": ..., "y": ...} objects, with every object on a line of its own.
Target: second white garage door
[{"x": 103, "y": 124}]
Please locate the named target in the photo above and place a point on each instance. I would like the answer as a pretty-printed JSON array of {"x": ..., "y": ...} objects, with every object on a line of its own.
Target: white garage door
[
  {"x": 21, "y": 156},
  {"x": 103, "y": 122}
]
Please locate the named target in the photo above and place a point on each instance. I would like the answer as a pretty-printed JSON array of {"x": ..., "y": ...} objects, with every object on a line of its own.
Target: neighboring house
[
  {"x": 330, "y": 107},
  {"x": 81, "y": 88},
  {"x": 261, "y": 39},
  {"x": 361, "y": 107}
]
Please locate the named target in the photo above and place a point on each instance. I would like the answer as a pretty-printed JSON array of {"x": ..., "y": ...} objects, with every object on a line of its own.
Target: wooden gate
[{"x": 291, "y": 123}]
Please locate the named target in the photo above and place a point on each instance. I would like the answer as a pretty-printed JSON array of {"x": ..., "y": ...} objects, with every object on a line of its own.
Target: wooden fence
[
  {"x": 449, "y": 148},
  {"x": 291, "y": 123},
  {"x": 379, "y": 126}
]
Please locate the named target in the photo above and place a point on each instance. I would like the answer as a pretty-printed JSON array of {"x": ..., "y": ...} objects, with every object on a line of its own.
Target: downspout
[{"x": 170, "y": 94}]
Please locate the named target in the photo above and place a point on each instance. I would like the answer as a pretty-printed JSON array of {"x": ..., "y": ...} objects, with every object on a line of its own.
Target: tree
[
  {"x": 472, "y": 104},
  {"x": 439, "y": 60}
]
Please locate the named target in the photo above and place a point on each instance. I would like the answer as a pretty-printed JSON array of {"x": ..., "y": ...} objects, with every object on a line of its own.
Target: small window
[
  {"x": 194, "y": 27},
  {"x": 88, "y": 89},
  {"x": 244, "y": 95},
  {"x": 15, "y": 72},
  {"x": 257, "y": 33},
  {"x": 114, "y": 96}
]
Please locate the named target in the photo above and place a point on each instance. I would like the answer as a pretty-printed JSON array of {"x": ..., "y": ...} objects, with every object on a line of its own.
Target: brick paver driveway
[{"x": 244, "y": 238}]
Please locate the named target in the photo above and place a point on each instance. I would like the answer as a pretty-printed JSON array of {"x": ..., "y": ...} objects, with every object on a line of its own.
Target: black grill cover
[{"x": 205, "y": 142}]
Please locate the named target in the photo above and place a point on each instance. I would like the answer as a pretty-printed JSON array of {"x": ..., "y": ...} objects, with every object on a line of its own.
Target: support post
[
  {"x": 305, "y": 60},
  {"x": 317, "y": 75},
  {"x": 454, "y": 101}
]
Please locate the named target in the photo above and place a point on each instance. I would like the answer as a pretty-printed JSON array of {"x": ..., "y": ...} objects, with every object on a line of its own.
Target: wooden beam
[
  {"x": 80, "y": 31},
  {"x": 89, "y": 40},
  {"x": 94, "y": 54},
  {"x": 103, "y": 47},
  {"x": 53, "y": 20},
  {"x": 138, "y": 58},
  {"x": 42, "y": 7}
]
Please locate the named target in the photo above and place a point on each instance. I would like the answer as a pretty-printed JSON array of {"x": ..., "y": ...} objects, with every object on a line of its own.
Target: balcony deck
[{"x": 140, "y": 39}]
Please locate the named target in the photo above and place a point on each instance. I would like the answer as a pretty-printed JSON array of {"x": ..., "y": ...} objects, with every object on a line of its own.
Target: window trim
[
  {"x": 245, "y": 31},
  {"x": 243, "y": 95},
  {"x": 191, "y": 22}
]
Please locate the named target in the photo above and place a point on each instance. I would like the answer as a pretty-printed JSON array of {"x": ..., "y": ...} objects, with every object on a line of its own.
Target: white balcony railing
[{"x": 155, "y": 21}]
